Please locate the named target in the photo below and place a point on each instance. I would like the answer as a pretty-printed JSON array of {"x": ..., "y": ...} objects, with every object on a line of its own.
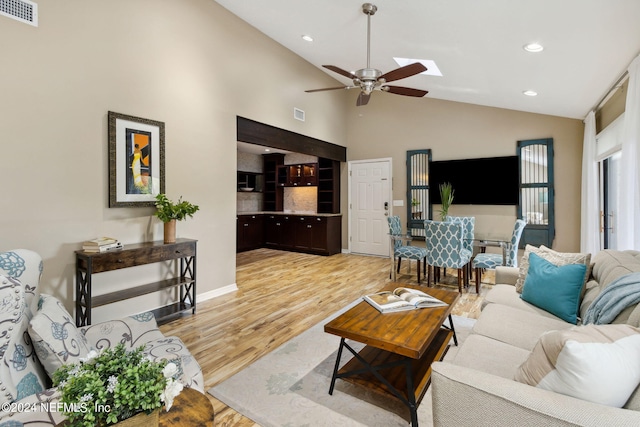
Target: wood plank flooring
[{"x": 280, "y": 295}]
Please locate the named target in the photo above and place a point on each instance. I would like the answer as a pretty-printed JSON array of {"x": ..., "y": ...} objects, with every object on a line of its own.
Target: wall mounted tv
[{"x": 482, "y": 181}]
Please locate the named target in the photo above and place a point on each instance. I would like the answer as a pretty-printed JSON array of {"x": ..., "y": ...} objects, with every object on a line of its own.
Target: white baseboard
[
  {"x": 346, "y": 251},
  {"x": 217, "y": 292}
]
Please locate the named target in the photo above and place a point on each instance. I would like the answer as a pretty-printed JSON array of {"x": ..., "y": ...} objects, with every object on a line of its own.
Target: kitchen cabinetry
[
  {"x": 250, "y": 181},
  {"x": 88, "y": 264},
  {"x": 272, "y": 197},
  {"x": 304, "y": 233},
  {"x": 277, "y": 232},
  {"x": 250, "y": 232},
  {"x": 305, "y": 174},
  {"x": 311, "y": 234},
  {"x": 328, "y": 186}
]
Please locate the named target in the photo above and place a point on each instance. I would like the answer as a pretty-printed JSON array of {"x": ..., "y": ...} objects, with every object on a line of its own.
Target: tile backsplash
[{"x": 301, "y": 199}]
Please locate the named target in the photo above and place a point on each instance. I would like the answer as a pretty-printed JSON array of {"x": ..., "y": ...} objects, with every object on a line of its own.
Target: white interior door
[{"x": 370, "y": 204}]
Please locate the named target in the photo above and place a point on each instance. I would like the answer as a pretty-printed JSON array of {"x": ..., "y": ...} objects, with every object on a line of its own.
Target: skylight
[{"x": 432, "y": 68}]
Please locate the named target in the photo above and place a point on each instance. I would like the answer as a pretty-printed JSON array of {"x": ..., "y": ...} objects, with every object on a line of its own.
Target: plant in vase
[
  {"x": 446, "y": 197},
  {"x": 169, "y": 212},
  {"x": 415, "y": 213},
  {"x": 114, "y": 385}
]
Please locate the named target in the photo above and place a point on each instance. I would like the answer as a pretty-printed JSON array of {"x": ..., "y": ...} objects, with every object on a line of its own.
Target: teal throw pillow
[{"x": 555, "y": 289}]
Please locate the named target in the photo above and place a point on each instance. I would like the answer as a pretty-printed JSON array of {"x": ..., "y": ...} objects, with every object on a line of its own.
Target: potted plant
[
  {"x": 115, "y": 385},
  {"x": 169, "y": 212},
  {"x": 446, "y": 197},
  {"x": 415, "y": 213}
]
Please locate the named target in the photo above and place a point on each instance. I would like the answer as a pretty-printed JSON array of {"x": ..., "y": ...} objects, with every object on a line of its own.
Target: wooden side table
[{"x": 190, "y": 409}]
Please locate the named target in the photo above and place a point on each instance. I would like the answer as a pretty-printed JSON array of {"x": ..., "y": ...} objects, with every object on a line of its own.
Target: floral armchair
[{"x": 38, "y": 335}]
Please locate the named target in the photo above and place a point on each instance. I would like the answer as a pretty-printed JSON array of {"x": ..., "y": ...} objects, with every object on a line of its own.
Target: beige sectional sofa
[{"x": 477, "y": 387}]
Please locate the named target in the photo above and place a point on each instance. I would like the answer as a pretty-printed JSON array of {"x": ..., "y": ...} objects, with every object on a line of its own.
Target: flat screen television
[{"x": 481, "y": 181}]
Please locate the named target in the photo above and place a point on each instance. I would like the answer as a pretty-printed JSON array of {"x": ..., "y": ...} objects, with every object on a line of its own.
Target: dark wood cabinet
[
  {"x": 328, "y": 186},
  {"x": 300, "y": 175},
  {"x": 250, "y": 181},
  {"x": 272, "y": 197},
  {"x": 317, "y": 234},
  {"x": 88, "y": 264},
  {"x": 278, "y": 231},
  {"x": 250, "y": 232},
  {"x": 301, "y": 233}
]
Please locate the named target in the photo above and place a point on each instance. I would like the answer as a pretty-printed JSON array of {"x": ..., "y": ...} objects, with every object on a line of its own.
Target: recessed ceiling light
[
  {"x": 266, "y": 149},
  {"x": 307, "y": 38},
  {"x": 530, "y": 92},
  {"x": 533, "y": 47},
  {"x": 432, "y": 68}
]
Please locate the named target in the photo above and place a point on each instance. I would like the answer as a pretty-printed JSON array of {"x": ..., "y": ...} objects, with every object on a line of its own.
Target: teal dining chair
[
  {"x": 402, "y": 250},
  {"x": 445, "y": 248},
  {"x": 486, "y": 261}
]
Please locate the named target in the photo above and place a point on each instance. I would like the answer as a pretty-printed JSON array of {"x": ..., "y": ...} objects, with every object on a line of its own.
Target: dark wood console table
[{"x": 89, "y": 263}]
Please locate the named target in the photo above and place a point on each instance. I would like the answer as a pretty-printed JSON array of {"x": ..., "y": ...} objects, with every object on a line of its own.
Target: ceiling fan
[{"x": 370, "y": 79}]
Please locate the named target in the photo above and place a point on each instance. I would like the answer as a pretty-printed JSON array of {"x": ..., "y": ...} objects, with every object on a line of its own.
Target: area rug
[{"x": 289, "y": 387}]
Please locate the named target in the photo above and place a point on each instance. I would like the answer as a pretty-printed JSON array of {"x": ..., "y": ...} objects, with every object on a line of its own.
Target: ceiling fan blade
[
  {"x": 404, "y": 72},
  {"x": 407, "y": 91},
  {"x": 363, "y": 99},
  {"x": 340, "y": 71},
  {"x": 329, "y": 88}
]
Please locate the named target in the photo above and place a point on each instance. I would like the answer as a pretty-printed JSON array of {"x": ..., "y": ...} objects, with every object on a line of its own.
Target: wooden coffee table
[
  {"x": 190, "y": 409},
  {"x": 400, "y": 347}
]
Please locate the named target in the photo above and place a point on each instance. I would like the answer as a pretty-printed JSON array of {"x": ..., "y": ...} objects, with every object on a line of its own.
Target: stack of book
[{"x": 102, "y": 244}]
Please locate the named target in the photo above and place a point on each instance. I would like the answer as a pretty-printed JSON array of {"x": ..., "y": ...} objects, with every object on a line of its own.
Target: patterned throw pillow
[
  {"x": 556, "y": 258},
  {"x": 21, "y": 374},
  {"x": 597, "y": 363},
  {"x": 55, "y": 337}
]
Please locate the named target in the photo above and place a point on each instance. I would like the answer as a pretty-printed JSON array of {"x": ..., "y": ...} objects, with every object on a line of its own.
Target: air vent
[
  {"x": 298, "y": 114},
  {"x": 21, "y": 10}
]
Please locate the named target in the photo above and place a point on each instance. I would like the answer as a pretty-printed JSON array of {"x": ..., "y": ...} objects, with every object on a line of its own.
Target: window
[
  {"x": 536, "y": 191},
  {"x": 418, "y": 206}
]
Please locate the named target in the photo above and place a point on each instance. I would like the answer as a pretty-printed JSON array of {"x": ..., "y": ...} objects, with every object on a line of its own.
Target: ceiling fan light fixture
[
  {"x": 533, "y": 47},
  {"x": 369, "y": 79}
]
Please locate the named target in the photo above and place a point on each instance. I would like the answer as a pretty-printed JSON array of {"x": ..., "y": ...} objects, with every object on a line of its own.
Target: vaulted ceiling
[{"x": 476, "y": 44}]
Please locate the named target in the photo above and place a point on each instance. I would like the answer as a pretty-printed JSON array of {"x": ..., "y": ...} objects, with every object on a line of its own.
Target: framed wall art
[{"x": 136, "y": 160}]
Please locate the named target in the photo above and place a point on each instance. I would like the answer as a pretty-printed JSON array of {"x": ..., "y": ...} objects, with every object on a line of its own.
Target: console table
[{"x": 90, "y": 263}]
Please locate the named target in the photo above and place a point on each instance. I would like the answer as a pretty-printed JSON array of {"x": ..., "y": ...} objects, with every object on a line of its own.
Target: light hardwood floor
[{"x": 280, "y": 295}]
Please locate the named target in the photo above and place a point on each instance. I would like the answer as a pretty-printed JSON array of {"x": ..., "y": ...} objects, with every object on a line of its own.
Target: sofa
[
  {"x": 489, "y": 381},
  {"x": 38, "y": 335}
]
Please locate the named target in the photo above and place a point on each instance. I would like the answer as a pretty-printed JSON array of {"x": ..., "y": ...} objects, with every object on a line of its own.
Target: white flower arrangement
[{"x": 112, "y": 385}]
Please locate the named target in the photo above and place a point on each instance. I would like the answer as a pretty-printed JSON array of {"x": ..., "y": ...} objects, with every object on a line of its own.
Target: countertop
[{"x": 297, "y": 213}]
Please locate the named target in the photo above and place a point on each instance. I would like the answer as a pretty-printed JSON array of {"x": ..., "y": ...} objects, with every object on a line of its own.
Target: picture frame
[{"x": 136, "y": 160}]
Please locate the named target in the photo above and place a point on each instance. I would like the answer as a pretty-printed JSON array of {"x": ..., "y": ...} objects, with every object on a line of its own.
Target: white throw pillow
[
  {"x": 55, "y": 337},
  {"x": 597, "y": 363}
]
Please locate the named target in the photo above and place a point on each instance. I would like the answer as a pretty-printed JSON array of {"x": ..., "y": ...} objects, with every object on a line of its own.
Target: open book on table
[{"x": 402, "y": 299}]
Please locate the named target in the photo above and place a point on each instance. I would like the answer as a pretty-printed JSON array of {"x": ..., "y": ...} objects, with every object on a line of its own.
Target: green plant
[
  {"x": 415, "y": 202},
  {"x": 113, "y": 385},
  {"x": 446, "y": 197},
  {"x": 166, "y": 210}
]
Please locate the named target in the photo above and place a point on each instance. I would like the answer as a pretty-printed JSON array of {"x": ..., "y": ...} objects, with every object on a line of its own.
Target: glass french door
[{"x": 609, "y": 200}]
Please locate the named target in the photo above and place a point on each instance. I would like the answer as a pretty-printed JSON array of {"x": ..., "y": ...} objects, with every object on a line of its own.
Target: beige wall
[
  {"x": 195, "y": 67},
  {"x": 188, "y": 63},
  {"x": 390, "y": 125}
]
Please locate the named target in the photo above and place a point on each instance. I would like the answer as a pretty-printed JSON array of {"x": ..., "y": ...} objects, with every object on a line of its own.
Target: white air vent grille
[
  {"x": 298, "y": 114},
  {"x": 20, "y": 10}
]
